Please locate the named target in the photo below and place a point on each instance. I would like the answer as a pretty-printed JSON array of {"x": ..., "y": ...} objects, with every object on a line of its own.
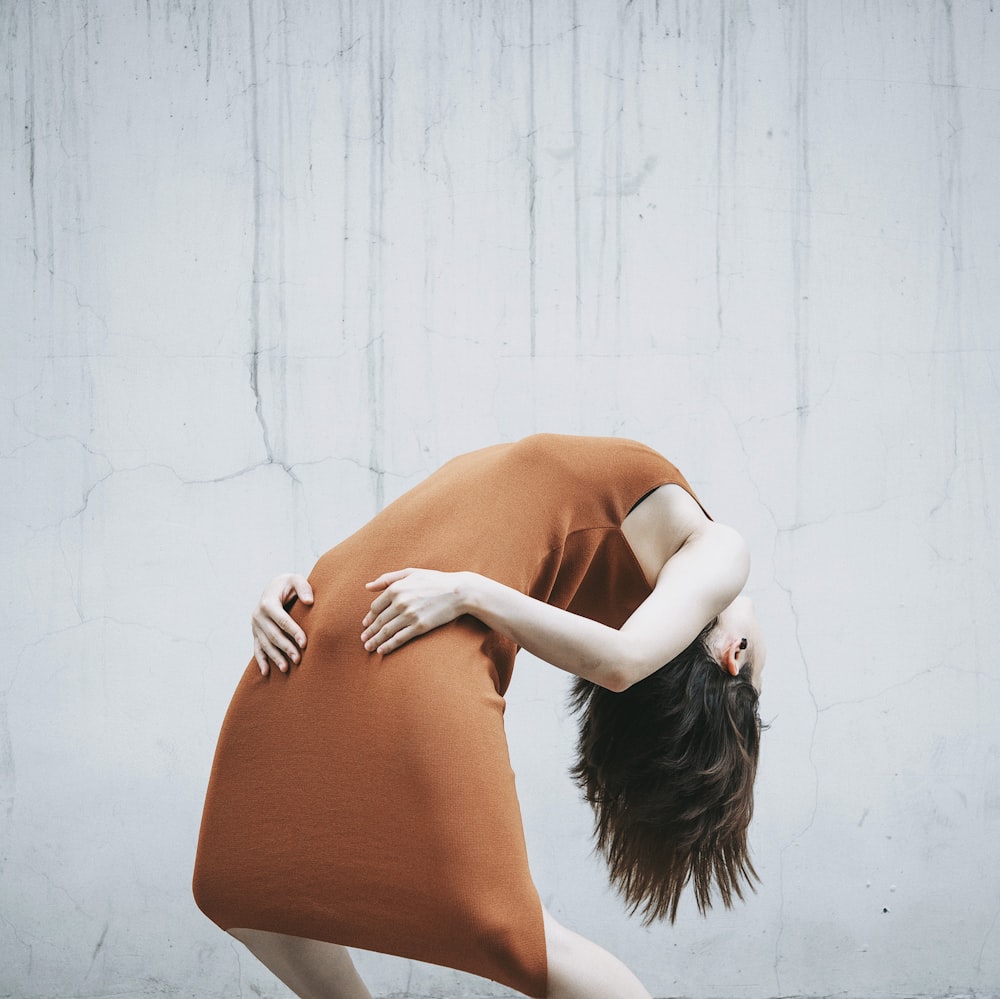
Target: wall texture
[{"x": 266, "y": 263}]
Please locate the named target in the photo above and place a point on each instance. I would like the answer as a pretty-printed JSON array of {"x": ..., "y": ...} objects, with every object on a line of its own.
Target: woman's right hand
[{"x": 277, "y": 639}]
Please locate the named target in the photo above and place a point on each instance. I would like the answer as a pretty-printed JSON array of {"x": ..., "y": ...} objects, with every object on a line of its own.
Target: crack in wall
[
  {"x": 375, "y": 352},
  {"x": 720, "y": 104},
  {"x": 796, "y": 837},
  {"x": 990, "y": 930},
  {"x": 532, "y": 155},
  {"x": 257, "y": 194},
  {"x": 97, "y": 948}
]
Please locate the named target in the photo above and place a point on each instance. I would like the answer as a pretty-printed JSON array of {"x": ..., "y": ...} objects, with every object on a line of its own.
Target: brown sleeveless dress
[{"x": 368, "y": 800}]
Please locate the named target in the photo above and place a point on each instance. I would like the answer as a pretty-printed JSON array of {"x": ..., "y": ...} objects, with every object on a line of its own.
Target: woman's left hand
[{"x": 410, "y": 602}]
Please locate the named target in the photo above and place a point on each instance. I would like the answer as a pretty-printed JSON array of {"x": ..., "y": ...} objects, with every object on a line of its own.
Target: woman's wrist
[{"x": 468, "y": 589}]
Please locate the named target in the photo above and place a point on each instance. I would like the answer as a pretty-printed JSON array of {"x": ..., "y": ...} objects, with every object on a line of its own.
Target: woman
[{"x": 361, "y": 793}]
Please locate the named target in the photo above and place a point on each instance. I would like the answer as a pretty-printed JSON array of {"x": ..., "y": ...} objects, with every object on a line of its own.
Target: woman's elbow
[
  {"x": 616, "y": 680},
  {"x": 622, "y": 674},
  {"x": 618, "y": 665}
]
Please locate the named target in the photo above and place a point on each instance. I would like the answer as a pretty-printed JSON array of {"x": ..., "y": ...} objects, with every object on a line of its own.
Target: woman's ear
[{"x": 733, "y": 655}]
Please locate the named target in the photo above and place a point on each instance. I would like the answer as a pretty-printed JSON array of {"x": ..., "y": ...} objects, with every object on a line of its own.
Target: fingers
[
  {"x": 263, "y": 663},
  {"x": 395, "y": 632},
  {"x": 279, "y": 644},
  {"x": 388, "y": 578},
  {"x": 379, "y": 606},
  {"x": 278, "y": 638},
  {"x": 298, "y": 586},
  {"x": 382, "y": 628},
  {"x": 400, "y": 611},
  {"x": 267, "y": 656},
  {"x": 273, "y": 646},
  {"x": 389, "y": 615},
  {"x": 288, "y": 634},
  {"x": 401, "y": 637},
  {"x": 273, "y": 618}
]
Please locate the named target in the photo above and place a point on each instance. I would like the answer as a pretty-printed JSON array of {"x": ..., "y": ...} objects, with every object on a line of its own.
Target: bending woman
[{"x": 362, "y": 795}]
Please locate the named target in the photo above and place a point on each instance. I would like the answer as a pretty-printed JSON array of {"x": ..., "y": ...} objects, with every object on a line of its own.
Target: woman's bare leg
[
  {"x": 579, "y": 969},
  {"x": 310, "y": 968}
]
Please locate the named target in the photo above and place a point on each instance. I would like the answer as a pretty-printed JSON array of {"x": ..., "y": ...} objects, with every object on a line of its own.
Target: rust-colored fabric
[{"x": 368, "y": 800}]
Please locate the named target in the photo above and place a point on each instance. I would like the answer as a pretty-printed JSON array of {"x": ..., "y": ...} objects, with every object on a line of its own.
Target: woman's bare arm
[{"x": 698, "y": 582}]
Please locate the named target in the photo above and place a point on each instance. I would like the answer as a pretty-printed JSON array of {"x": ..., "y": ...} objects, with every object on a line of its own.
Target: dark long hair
[{"x": 668, "y": 766}]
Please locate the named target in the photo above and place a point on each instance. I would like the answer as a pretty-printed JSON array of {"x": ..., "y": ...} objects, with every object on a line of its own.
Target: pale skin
[{"x": 696, "y": 569}]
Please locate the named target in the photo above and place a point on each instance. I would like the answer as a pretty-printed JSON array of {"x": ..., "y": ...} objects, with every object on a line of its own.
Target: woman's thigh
[{"x": 312, "y": 969}]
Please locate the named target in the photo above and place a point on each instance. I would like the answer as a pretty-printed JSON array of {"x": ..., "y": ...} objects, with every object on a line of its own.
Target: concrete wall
[{"x": 267, "y": 263}]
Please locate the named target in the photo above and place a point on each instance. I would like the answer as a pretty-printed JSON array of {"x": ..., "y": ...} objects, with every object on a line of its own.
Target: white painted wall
[{"x": 267, "y": 263}]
